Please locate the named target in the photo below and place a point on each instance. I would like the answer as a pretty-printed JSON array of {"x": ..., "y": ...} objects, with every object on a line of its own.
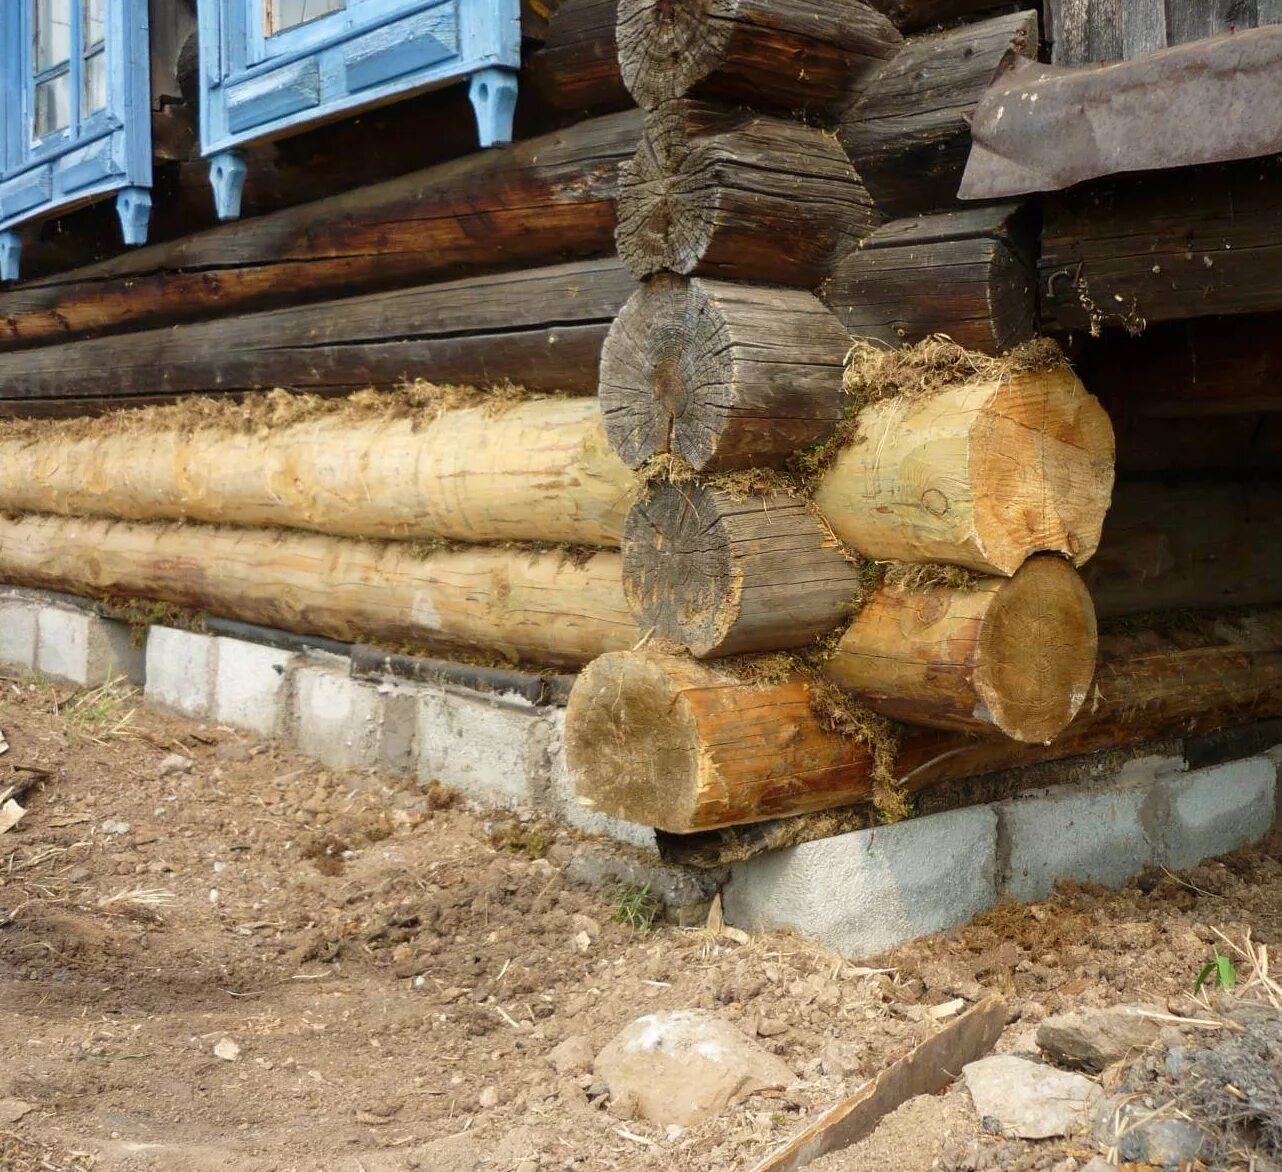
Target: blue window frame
[
  {"x": 272, "y": 67},
  {"x": 75, "y": 114}
]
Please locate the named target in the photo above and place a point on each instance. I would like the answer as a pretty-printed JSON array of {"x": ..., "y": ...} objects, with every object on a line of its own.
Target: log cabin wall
[{"x": 705, "y": 205}]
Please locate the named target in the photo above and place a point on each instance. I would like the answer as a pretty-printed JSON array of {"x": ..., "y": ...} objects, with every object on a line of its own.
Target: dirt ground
[{"x": 215, "y": 954}]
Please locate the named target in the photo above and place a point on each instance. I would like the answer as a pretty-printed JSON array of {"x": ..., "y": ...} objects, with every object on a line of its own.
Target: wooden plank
[
  {"x": 543, "y": 328},
  {"x": 925, "y": 1070},
  {"x": 1121, "y": 254},
  {"x": 547, "y": 199},
  {"x": 909, "y": 134},
  {"x": 966, "y": 274}
]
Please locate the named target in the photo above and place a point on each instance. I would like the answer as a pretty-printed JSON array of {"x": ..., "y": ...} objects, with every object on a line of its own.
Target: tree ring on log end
[
  {"x": 666, "y": 47},
  {"x": 1044, "y": 450},
  {"x": 627, "y": 729},
  {"x": 721, "y": 574},
  {"x": 1037, "y": 648},
  {"x": 666, "y": 371}
]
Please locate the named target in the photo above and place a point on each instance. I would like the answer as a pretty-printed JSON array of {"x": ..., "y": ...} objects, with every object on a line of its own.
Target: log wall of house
[{"x": 792, "y": 580}]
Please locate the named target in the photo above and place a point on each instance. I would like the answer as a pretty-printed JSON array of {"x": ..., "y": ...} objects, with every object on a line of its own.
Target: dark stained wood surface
[
  {"x": 577, "y": 70},
  {"x": 908, "y": 135},
  {"x": 966, "y": 274},
  {"x": 725, "y": 376},
  {"x": 541, "y": 327},
  {"x": 768, "y": 200},
  {"x": 1121, "y": 254},
  {"x": 786, "y": 55},
  {"x": 544, "y": 200}
]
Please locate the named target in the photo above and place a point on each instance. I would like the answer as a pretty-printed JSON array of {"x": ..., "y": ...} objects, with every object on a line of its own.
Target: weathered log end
[
  {"x": 765, "y": 200},
  {"x": 725, "y": 376},
  {"x": 777, "y": 54},
  {"x": 684, "y": 746},
  {"x": 1016, "y": 655},
  {"x": 721, "y": 574},
  {"x": 982, "y": 474}
]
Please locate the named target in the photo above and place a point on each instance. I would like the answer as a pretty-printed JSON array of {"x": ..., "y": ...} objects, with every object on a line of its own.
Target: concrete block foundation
[{"x": 859, "y": 893}]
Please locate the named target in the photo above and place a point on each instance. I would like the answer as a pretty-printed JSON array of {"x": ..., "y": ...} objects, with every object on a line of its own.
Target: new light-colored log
[
  {"x": 688, "y": 746},
  {"x": 1012, "y": 654},
  {"x": 981, "y": 474},
  {"x": 722, "y": 573},
  {"x": 725, "y": 376},
  {"x": 535, "y": 471},
  {"x": 541, "y": 607}
]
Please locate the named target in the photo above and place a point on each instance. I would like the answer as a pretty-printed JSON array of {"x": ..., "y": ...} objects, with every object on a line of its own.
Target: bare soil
[{"x": 384, "y": 973}]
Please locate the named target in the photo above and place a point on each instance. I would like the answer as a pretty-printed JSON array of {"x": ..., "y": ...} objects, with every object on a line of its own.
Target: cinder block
[
  {"x": 251, "y": 686},
  {"x": 1100, "y": 834},
  {"x": 81, "y": 649},
  {"x": 565, "y": 804},
  {"x": 486, "y": 749},
  {"x": 335, "y": 718},
  {"x": 18, "y": 633},
  {"x": 180, "y": 671},
  {"x": 867, "y": 891},
  {"x": 1213, "y": 811},
  {"x": 398, "y": 737}
]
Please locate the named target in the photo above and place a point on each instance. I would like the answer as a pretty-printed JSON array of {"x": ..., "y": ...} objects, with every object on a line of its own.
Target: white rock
[
  {"x": 112, "y": 826},
  {"x": 226, "y": 1049},
  {"x": 573, "y": 1056},
  {"x": 1029, "y": 1100},
  {"x": 684, "y": 1066},
  {"x": 489, "y": 1097},
  {"x": 174, "y": 763}
]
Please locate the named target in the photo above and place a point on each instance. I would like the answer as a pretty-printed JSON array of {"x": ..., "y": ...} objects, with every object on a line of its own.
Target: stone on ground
[
  {"x": 573, "y": 1056},
  {"x": 1168, "y": 1143},
  {"x": 1096, "y": 1038},
  {"x": 683, "y": 1067},
  {"x": 1028, "y": 1100}
]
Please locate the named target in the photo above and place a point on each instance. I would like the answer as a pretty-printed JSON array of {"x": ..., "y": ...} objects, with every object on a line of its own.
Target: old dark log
[
  {"x": 720, "y": 573},
  {"x": 542, "y": 327},
  {"x": 1124, "y": 253},
  {"x": 1082, "y": 32},
  {"x": 723, "y": 375},
  {"x": 540, "y": 201},
  {"x": 789, "y": 55},
  {"x": 909, "y": 134},
  {"x": 1188, "y": 545},
  {"x": 914, "y": 15},
  {"x": 1202, "y": 367},
  {"x": 577, "y": 70},
  {"x": 768, "y": 200},
  {"x": 966, "y": 274}
]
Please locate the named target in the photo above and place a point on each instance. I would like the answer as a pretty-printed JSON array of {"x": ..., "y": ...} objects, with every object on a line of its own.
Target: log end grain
[
  {"x": 723, "y": 375},
  {"x": 722, "y": 575},
  {"x": 981, "y": 475}
]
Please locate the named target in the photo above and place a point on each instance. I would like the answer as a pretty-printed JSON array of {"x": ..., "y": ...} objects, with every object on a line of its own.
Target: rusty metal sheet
[{"x": 1045, "y": 127}]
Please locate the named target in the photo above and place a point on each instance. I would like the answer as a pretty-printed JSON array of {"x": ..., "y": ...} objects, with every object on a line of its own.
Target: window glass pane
[
  {"x": 53, "y": 105},
  {"x": 53, "y": 33},
  {"x": 284, "y": 14},
  {"x": 95, "y": 84},
  {"x": 95, "y": 22}
]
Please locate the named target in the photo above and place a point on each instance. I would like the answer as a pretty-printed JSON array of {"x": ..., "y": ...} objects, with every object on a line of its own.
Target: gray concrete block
[
  {"x": 251, "y": 686},
  {"x": 487, "y": 749},
  {"x": 335, "y": 718},
  {"x": 18, "y": 633},
  {"x": 1097, "y": 834},
  {"x": 867, "y": 891},
  {"x": 82, "y": 649},
  {"x": 398, "y": 737},
  {"x": 1213, "y": 811},
  {"x": 180, "y": 671},
  {"x": 564, "y": 802}
]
